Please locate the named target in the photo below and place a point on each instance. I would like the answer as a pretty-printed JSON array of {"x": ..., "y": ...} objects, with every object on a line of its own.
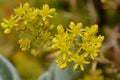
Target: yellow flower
[
  {"x": 9, "y": 24},
  {"x": 79, "y": 61},
  {"x": 24, "y": 44},
  {"x": 22, "y": 9},
  {"x": 62, "y": 40},
  {"x": 47, "y": 12},
  {"x": 62, "y": 61},
  {"x": 75, "y": 29}
]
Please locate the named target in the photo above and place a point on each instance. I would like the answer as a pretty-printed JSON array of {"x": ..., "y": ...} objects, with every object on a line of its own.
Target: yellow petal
[
  {"x": 60, "y": 29},
  {"x": 63, "y": 66},
  {"x": 76, "y": 67},
  {"x": 81, "y": 66},
  {"x": 24, "y": 49},
  {"x": 54, "y": 40},
  {"x": 7, "y": 31}
]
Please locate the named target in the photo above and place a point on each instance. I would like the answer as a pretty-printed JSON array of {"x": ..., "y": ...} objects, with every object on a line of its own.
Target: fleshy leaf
[
  {"x": 7, "y": 71},
  {"x": 55, "y": 73}
]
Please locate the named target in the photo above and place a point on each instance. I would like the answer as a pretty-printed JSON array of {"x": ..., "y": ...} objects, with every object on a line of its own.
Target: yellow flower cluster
[
  {"x": 30, "y": 23},
  {"x": 76, "y": 44},
  {"x": 46, "y": 12}
]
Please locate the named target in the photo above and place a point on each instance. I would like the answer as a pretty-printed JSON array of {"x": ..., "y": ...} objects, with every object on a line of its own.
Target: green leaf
[
  {"x": 7, "y": 71},
  {"x": 54, "y": 73}
]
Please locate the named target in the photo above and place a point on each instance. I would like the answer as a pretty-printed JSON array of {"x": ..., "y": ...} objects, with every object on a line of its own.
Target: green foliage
[
  {"x": 55, "y": 73},
  {"x": 7, "y": 71}
]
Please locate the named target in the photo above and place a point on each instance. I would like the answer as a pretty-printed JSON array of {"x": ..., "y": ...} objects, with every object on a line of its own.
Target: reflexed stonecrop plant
[{"x": 75, "y": 44}]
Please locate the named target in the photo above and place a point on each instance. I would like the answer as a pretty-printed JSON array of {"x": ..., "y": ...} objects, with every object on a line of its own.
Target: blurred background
[{"x": 105, "y": 13}]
